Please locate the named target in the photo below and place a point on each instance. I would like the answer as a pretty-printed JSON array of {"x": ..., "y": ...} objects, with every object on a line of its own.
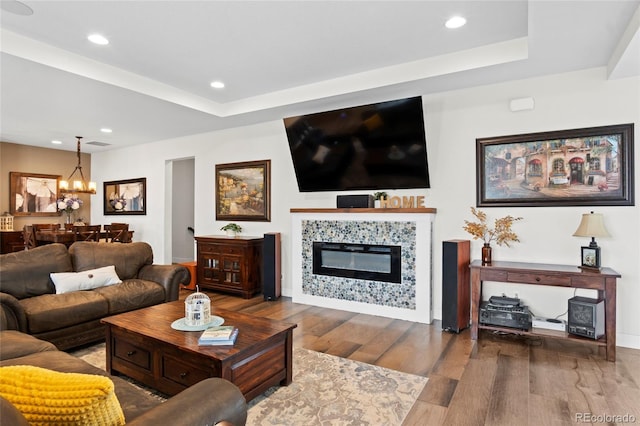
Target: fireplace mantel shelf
[{"x": 366, "y": 210}]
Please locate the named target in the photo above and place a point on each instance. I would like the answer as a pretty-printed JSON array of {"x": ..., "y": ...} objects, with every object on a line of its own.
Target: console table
[{"x": 551, "y": 275}]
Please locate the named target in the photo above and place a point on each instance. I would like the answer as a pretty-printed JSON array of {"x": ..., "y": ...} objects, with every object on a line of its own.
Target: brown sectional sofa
[
  {"x": 208, "y": 402},
  {"x": 29, "y": 302}
]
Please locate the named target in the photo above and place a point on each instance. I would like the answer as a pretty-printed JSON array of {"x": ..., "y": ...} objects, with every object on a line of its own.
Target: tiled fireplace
[{"x": 358, "y": 273}]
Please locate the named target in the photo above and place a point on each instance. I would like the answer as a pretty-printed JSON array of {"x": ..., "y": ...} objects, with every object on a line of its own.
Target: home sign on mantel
[{"x": 404, "y": 202}]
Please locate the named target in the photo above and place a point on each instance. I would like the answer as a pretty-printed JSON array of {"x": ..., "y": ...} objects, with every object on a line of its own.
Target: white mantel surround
[{"x": 411, "y": 228}]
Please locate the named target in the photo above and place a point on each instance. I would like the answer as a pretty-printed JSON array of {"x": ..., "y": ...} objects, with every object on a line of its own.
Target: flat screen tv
[{"x": 370, "y": 147}]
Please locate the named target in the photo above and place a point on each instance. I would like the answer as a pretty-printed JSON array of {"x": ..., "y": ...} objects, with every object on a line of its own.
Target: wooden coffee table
[{"x": 142, "y": 345}]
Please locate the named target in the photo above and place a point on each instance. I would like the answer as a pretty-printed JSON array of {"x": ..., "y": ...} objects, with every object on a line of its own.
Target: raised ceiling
[{"x": 151, "y": 82}]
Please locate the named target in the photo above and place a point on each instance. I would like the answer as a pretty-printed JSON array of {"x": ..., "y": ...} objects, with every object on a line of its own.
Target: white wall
[{"x": 453, "y": 122}]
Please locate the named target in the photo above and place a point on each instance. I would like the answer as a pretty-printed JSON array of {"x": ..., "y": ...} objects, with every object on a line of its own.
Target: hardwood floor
[{"x": 498, "y": 380}]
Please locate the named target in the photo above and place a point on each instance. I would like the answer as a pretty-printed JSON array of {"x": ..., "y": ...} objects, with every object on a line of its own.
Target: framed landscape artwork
[
  {"x": 125, "y": 197},
  {"x": 580, "y": 167},
  {"x": 33, "y": 194},
  {"x": 243, "y": 191}
]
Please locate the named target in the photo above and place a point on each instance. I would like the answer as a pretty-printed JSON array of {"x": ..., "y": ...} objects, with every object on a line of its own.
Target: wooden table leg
[
  {"x": 610, "y": 317},
  {"x": 288, "y": 347},
  {"x": 476, "y": 290}
]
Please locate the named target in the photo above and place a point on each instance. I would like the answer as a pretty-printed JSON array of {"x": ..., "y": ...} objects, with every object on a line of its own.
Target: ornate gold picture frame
[{"x": 243, "y": 191}]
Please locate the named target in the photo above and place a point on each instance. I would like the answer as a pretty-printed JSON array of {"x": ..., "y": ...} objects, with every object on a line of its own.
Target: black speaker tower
[
  {"x": 456, "y": 287},
  {"x": 271, "y": 263}
]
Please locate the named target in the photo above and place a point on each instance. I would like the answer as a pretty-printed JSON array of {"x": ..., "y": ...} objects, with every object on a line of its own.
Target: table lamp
[{"x": 591, "y": 225}]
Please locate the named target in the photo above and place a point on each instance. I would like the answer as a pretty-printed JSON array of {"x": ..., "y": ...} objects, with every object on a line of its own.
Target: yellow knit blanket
[{"x": 47, "y": 397}]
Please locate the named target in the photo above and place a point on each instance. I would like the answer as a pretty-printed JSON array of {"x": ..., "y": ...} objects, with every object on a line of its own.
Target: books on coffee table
[{"x": 219, "y": 335}]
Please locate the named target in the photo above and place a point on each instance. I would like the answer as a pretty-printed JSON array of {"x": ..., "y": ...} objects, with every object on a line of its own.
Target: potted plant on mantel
[
  {"x": 232, "y": 229},
  {"x": 377, "y": 196}
]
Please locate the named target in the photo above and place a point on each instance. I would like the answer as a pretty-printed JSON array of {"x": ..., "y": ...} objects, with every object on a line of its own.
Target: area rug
[
  {"x": 326, "y": 390},
  {"x": 329, "y": 390}
]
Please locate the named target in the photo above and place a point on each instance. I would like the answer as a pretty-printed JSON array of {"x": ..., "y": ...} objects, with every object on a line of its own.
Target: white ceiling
[{"x": 277, "y": 58}]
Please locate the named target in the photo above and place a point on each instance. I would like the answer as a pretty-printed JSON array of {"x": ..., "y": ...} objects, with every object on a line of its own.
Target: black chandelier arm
[{"x": 85, "y": 187}]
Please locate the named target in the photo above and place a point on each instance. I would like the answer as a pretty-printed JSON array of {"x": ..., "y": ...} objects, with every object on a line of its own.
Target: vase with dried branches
[{"x": 501, "y": 232}]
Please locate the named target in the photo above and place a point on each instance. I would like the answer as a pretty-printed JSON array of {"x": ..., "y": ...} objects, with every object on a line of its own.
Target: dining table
[
  {"x": 48, "y": 236},
  {"x": 63, "y": 236}
]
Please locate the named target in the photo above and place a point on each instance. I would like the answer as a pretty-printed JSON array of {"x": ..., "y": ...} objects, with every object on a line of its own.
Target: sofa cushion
[
  {"x": 54, "y": 311},
  {"x": 132, "y": 294},
  {"x": 26, "y": 273},
  {"x": 66, "y": 282},
  {"x": 16, "y": 344},
  {"x": 127, "y": 258},
  {"x": 51, "y": 397}
]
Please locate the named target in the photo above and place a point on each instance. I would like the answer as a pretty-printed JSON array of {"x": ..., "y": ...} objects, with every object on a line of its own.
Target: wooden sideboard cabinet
[
  {"x": 230, "y": 264},
  {"x": 11, "y": 241}
]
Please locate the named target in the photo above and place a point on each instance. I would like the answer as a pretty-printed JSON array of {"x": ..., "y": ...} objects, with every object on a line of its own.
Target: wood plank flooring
[{"x": 498, "y": 380}]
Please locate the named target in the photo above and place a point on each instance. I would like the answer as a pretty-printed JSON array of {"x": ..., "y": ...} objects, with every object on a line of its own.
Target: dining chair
[
  {"x": 29, "y": 237},
  {"x": 87, "y": 232},
  {"x": 118, "y": 233}
]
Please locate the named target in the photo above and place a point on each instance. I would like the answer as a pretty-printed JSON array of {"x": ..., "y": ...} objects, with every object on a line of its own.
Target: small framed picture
[
  {"x": 125, "y": 197},
  {"x": 591, "y": 257}
]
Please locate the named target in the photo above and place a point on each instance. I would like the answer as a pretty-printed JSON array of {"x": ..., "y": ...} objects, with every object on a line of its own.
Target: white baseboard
[{"x": 628, "y": 341}]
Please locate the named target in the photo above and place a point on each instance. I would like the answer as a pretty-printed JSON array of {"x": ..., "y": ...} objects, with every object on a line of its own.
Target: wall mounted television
[{"x": 371, "y": 147}]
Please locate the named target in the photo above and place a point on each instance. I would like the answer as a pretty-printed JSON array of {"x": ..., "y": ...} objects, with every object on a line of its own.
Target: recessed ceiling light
[
  {"x": 56, "y": 142},
  {"x": 98, "y": 39},
  {"x": 217, "y": 84},
  {"x": 455, "y": 22},
  {"x": 105, "y": 130}
]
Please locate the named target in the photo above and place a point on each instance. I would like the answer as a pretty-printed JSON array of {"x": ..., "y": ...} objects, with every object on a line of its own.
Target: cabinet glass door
[
  {"x": 231, "y": 267},
  {"x": 211, "y": 270}
]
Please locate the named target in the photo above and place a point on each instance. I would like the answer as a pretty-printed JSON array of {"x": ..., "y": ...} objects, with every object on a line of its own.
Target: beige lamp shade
[{"x": 591, "y": 225}]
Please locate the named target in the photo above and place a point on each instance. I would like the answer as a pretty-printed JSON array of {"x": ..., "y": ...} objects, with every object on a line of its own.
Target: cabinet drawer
[
  {"x": 208, "y": 249},
  {"x": 490, "y": 275},
  {"x": 132, "y": 354},
  {"x": 184, "y": 374},
  {"x": 544, "y": 279},
  {"x": 232, "y": 250}
]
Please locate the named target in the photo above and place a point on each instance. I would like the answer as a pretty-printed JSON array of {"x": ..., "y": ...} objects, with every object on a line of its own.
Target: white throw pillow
[{"x": 66, "y": 282}]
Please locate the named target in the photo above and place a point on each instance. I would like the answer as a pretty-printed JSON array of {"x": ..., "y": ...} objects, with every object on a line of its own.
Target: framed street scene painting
[{"x": 580, "y": 167}]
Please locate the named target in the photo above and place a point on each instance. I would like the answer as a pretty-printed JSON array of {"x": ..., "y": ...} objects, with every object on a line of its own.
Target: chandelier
[{"x": 80, "y": 185}]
